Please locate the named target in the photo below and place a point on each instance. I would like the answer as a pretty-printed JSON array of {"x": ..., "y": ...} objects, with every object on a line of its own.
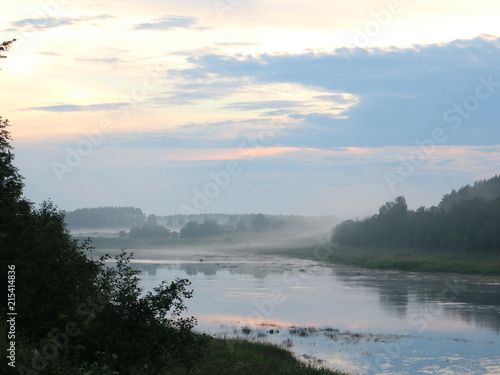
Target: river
[{"x": 351, "y": 319}]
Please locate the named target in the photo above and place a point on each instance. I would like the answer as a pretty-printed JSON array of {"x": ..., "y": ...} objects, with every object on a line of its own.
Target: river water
[{"x": 351, "y": 319}]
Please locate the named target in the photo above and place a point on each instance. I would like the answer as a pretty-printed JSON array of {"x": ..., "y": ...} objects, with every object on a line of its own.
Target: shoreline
[{"x": 406, "y": 260}]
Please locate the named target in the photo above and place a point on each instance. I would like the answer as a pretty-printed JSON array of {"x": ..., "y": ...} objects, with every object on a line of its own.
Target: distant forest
[
  {"x": 134, "y": 223},
  {"x": 464, "y": 220},
  {"x": 105, "y": 217}
]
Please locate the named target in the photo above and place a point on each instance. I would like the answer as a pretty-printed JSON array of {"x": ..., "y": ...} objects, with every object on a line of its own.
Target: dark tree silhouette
[
  {"x": 5, "y": 47},
  {"x": 74, "y": 314},
  {"x": 193, "y": 229},
  {"x": 11, "y": 182},
  {"x": 467, "y": 220},
  {"x": 260, "y": 223}
]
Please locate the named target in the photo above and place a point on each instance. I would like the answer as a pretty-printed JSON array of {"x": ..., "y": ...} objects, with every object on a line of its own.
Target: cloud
[
  {"x": 42, "y": 23},
  {"x": 31, "y": 24},
  {"x": 270, "y": 104},
  {"x": 189, "y": 91},
  {"x": 395, "y": 95},
  {"x": 108, "y": 60},
  {"x": 77, "y": 108},
  {"x": 395, "y": 71},
  {"x": 49, "y": 53},
  {"x": 235, "y": 44},
  {"x": 170, "y": 23},
  {"x": 153, "y": 149},
  {"x": 336, "y": 98}
]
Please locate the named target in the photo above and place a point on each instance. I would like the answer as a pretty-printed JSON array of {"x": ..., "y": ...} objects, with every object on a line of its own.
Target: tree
[
  {"x": 152, "y": 220},
  {"x": 5, "y": 47},
  {"x": 395, "y": 210},
  {"x": 242, "y": 226},
  {"x": 149, "y": 231},
  {"x": 54, "y": 272},
  {"x": 105, "y": 217},
  {"x": 142, "y": 333},
  {"x": 136, "y": 232},
  {"x": 126, "y": 331},
  {"x": 260, "y": 223},
  {"x": 190, "y": 230},
  {"x": 113, "y": 329},
  {"x": 470, "y": 224},
  {"x": 208, "y": 228},
  {"x": 485, "y": 189},
  {"x": 11, "y": 182},
  {"x": 33, "y": 237}
]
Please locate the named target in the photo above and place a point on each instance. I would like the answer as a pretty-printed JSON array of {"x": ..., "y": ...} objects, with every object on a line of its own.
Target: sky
[{"x": 247, "y": 106}]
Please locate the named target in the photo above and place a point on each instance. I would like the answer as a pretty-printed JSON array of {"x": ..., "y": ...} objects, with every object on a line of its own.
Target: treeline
[
  {"x": 128, "y": 217},
  {"x": 105, "y": 217},
  {"x": 485, "y": 189},
  {"x": 245, "y": 221},
  {"x": 210, "y": 228},
  {"x": 469, "y": 224},
  {"x": 150, "y": 230},
  {"x": 207, "y": 228}
]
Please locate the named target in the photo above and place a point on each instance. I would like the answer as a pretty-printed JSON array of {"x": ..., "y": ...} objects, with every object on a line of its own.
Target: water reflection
[
  {"x": 257, "y": 269},
  {"x": 474, "y": 300},
  {"x": 149, "y": 269},
  {"x": 395, "y": 300},
  {"x": 192, "y": 269},
  {"x": 453, "y": 322}
]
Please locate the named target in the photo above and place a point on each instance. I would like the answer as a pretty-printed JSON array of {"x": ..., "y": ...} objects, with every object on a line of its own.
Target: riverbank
[
  {"x": 242, "y": 357},
  {"x": 402, "y": 260}
]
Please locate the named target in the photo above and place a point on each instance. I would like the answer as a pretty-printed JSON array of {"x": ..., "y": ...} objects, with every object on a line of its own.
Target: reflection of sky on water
[{"x": 452, "y": 324}]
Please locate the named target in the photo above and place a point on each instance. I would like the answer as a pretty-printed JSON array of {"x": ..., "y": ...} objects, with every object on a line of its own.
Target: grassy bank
[
  {"x": 403, "y": 260},
  {"x": 240, "y": 357}
]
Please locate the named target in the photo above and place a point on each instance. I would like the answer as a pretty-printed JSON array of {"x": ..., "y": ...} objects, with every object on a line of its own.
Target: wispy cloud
[
  {"x": 76, "y": 108},
  {"x": 395, "y": 95},
  {"x": 144, "y": 148},
  {"x": 269, "y": 104},
  {"x": 31, "y": 24},
  {"x": 103, "y": 60},
  {"x": 49, "y": 53},
  {"x": 169, "y": 23},
  {"x": 42, "y": 23}
]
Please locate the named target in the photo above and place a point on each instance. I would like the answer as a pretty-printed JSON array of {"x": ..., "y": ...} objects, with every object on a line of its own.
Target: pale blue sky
[{"x": 271, "y": 107}]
